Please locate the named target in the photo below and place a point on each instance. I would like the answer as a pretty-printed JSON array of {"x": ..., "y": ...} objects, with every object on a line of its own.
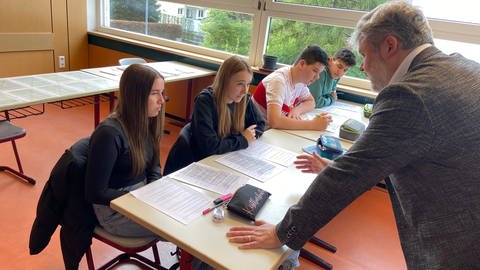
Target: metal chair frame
[
  {"x": 130, "y": 253},
  {"x": 11, "y": 132}
]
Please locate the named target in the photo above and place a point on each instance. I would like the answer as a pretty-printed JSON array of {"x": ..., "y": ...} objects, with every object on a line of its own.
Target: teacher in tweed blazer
[{"x": 423, "y": 134}]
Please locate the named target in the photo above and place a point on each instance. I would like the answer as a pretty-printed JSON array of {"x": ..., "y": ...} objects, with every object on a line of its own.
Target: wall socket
[{"x": 61, "y": 61}]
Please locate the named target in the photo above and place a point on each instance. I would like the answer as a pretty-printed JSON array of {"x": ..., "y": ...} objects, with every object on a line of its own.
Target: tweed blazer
[{"x": 423, "y": 134}]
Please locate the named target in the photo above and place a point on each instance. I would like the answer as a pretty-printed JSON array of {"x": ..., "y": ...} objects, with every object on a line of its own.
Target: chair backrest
[
  {"x": 129, "y": 61},
  {"x": 181, "y": 154}
]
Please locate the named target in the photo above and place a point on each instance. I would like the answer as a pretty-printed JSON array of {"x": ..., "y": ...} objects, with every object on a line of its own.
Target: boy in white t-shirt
[{"x": 283, "y": 96}]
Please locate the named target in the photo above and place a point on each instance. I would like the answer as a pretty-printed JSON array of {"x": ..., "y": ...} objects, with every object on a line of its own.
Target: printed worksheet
[
  {"x": 174, "y": 199},
  {"x": 209, "y": 178},
  {"x": 257, "y": 168},
  {"x": 271, "y": 153}
]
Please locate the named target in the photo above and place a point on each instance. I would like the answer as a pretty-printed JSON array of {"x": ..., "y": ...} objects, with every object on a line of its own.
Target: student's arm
[
  {"x": 252, "y": 117},
  {"x": 153, "y": 173},
  {"x": 306, "y": 105},
  {"x": 277, "y": 120},
  {"x": 326, "y": 100},
  {"x": 323, "y": 93},
  {"x": 204, "y": 131},
  {"x": 102, "y": 155}
]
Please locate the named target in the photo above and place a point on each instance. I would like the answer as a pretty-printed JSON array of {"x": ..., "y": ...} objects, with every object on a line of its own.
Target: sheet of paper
[
  {"x": 337, "y": 119},
  {"x": 210, "y": 178},
  {"x": 259, "y": 169},
  {"x": 174, "y": 199},
  {"x": 271, "y": 153},
  {"x": 347, "y": 106}
]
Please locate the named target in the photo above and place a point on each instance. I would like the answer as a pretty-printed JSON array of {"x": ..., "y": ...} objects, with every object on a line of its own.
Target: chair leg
[
  {"x": 89, "y": 258},
  {"x": 17, "y": 157},
  {"x": 156, "y": 257},
  {"x": 18, "y": 173}
]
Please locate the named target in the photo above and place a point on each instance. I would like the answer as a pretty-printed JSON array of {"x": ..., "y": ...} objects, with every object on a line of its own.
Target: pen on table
[
  {"x": 223, "y": 198},
  {"x": 208, "y": 210}
]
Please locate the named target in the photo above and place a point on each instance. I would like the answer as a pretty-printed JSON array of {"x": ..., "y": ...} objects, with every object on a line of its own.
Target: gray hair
[{"x": 398, "y": 18}]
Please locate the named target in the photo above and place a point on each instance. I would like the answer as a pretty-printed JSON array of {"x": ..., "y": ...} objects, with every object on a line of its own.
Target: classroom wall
[{"x": 34, "y": 33}]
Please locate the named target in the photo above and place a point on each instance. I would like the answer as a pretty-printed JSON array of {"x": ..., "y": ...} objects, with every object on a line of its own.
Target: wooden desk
[
  {"x": 171, "y": 70},
  {"x": 205, "y": 239},
  {"x": 24, "y": 91}
]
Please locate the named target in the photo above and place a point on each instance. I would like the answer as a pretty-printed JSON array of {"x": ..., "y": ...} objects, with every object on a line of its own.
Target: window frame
[{"x": 262, "y": 11}]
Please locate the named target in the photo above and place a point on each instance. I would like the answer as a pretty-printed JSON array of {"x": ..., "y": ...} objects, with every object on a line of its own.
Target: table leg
[
  {"x": 189, "y": 100},
  {"x": 96, "y": 110},
  {"x": 315, "y": 259},
  {"x": 112, "y": 100},
  {"x": 185, "y": 259}
]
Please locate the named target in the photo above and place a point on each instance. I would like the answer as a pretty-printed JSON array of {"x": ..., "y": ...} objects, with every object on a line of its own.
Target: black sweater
[
  {"x": 205, "y": 139},
  {"x": 109, "y": 164}
]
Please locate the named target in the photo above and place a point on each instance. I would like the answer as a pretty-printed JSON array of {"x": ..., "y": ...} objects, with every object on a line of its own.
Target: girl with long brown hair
[
  {"x": 224, "y": 117},
  {"x": 124, "y": 149}
]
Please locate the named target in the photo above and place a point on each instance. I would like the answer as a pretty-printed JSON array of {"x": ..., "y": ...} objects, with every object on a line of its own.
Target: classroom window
[
  {"x": 343, "y": 4},
  {"x": 211, "y": 28},
  {"x": 296, "y": 34},
  {"x": 461, "y": 11},
  {"x": 252, "y": 28},
  {"x": 468, "y": 50}
]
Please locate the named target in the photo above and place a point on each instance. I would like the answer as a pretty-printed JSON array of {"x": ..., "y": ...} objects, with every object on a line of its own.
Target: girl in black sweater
[
  {"x": 124, "y": 149},
  {"x": 224, "y": 117}
]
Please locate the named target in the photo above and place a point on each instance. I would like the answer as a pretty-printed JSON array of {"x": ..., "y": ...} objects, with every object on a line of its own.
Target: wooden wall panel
[
  {"x": 102, "y": 57},
  {"x": 33, "y": 33},
  {"x": 25, "y": 63},
  {"x": 177, "y": 95},
  {"x": 12, "y": 42},
  {"x": 25, "y": 16},
  {"x": 77, "y": 34},
  {"x": 177, "y": 92},
  {"x": 60, "y": 28}
]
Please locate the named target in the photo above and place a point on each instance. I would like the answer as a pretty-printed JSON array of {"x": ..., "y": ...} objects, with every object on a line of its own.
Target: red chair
[
  {"x": 11, "y": 132},
  {"x": 130, "y": 246}
]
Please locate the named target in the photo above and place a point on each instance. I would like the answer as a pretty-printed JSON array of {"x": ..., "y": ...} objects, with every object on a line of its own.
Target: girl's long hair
[
  {"x": 228, "y": 123},
  {"x": 132, "y": 112}
]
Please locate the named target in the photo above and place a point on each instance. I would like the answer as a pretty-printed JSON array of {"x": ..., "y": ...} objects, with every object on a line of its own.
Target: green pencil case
[
  {"x": 351, "y": 129},
  {"x": 367, "y": 110}
]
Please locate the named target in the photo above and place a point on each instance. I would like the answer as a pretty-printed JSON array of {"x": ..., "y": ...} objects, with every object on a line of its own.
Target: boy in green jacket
[{"x": 323, "y": 89}]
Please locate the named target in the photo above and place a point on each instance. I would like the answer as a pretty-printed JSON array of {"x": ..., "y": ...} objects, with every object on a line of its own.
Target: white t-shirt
[{"x": 280, "y": 90}]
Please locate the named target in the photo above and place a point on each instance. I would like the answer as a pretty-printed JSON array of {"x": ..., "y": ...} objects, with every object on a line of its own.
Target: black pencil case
[{"x": 247, "y": 201}]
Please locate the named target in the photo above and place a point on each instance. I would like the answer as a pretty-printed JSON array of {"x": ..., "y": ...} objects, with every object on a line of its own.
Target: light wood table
[
  {"x": 172, "y": 71},
  {"x": 205, "y": 239},
  {"x": 24, "y": 91}
]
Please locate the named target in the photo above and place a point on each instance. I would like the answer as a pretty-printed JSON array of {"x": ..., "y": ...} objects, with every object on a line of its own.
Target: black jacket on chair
[{"x": 62, "y": 202}]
